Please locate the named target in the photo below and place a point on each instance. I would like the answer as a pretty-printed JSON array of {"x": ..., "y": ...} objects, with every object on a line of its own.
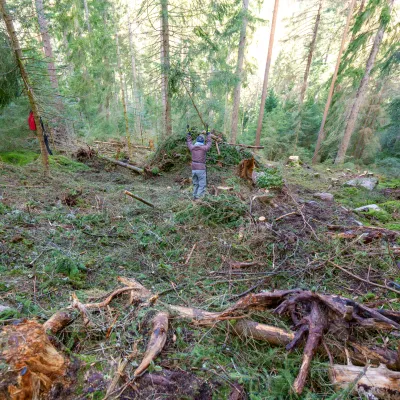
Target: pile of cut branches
[{"x": 314, "y": 316}]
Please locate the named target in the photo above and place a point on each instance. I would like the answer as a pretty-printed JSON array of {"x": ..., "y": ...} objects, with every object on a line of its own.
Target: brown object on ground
[
  {"x": 138, "y": 198},
  {"x": 58, "y": 321},
  {"x": 120, "y": 371},
  {"x": 83, "y": 154},
  {"x": 380, "y": 382},
  {"x": 271, "y": 334},
  {"x": 140, "y": 292},
  {"x": 387, "y": 232},
  {"x": 125, "y": 165},
  {"x": 246, "y": 168},
  {"x": 242, "y": 264},
  {"x": 34, "y": 364},
  {"x": 223, "y": 189},
  {"x": 156, "y": 343},
  {"x": 247, "y": 146},
  {"x": 71, "y": 199},
  {"x": 190, "y": 254},
  {"x": 237, "y": 392}
]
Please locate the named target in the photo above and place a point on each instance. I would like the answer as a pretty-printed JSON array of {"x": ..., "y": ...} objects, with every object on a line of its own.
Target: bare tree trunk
[
  {"x": 351, "y": 122},
  {"x": 135, "y": 91},
  {"x": 165, "y": 66},
  {"x": 321, "y": 133},
  {"x": 307, "y": 72},
  {"x": 28, "y": 87},
  {"x": 121, "y": 78},
  {"x": 64, "y": 132},
  {"x": 239, "y": 72},
  {"x": 85, "y": 5},
  {"x": 265, "y": 85}
]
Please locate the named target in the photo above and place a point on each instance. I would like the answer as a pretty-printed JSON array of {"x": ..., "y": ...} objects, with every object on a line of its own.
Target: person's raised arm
[
  {"x": 209, "y": 141},
  {"x": 189, "y": 139}
]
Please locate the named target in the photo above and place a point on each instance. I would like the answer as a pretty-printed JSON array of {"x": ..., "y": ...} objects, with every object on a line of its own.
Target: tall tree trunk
[
  {"x": 239, "y": 72},
  {"x": 351, "y": 122},
  {"x": 27, "y": 85},
  {"x": 165, "y": 67},
  {"x": 135, "y": 91},
  {"x": 266, "y": 75},
  {"x": 307, "y": 72},
  {"x": 87, "y": 15},
  {"x": 64, "y": 132},
  {"x": 321, "y": 133},
  {"x": 121, "y": 78}
]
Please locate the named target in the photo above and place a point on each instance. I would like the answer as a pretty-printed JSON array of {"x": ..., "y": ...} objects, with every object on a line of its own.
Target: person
[{"x": 199, "y": 151}]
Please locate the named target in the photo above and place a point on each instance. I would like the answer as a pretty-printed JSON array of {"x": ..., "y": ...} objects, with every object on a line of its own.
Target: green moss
[
  {"x": 18, "y": 157},
  {"x": 65, "y": 164}
]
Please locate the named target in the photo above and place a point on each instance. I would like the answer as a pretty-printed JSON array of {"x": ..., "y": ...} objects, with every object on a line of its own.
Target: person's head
[{"x": 200, "y": 139}]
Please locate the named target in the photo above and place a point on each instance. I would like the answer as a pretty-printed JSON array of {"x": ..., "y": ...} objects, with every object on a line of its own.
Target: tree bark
[
  {"x": 27, "y": 85},
  {"x": 351, "y": 121},
  {"x": 165, "y": 67},
  {"x": 239, "y": 72},
  {"x": 266, "y": 75},
  {"x": 321, "y": 133},
  {"x": 135, "y": 91},
  {"x": 121, "y": 78},
  {"x": 307, "y": 71}
]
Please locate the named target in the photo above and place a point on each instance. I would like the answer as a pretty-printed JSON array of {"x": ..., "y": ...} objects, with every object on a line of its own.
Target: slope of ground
[{"x": 77, "y": 232}]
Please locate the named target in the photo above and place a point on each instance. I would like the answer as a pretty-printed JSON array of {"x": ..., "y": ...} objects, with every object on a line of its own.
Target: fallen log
[
  {"x": 156, "y": 343},
  {"x": 379, "y": 382},
  {"x": 243, "y": 264},
  {"x": 125, "y": 165},
  {"x": 58, "y": 321},
  {"x": 139, "y": 198},
  {"x": 244, "y": 145}
]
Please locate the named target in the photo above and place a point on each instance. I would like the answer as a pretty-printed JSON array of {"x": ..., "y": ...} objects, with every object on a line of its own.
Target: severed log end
[
  {"x": 156, "y": 343},
  {"x": 271, "y": 334},
  {"x": 59, "y": 321},
  {"x": 34, "y": 365},
  {"x": 380, "y": 382}
]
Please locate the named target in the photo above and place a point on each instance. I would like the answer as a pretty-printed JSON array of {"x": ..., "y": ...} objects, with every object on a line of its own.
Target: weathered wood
[
  {"x": 271, "y": 334},
  {"x": 33, "y": 363},
  {"x": 156, "y": 343},
  {"x": 380, "y": 382},
  {"x": 138, "y": 198},
  {"x": 125, "y": 165},
  {"x": 59, "y": 321}
]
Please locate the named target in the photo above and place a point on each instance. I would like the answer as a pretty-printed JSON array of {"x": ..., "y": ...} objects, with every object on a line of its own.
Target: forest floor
[{"x": 77, "y": 232}]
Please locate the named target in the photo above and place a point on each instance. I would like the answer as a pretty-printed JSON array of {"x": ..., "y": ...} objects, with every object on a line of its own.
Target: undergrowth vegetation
[{"x": 50, "y": 249}]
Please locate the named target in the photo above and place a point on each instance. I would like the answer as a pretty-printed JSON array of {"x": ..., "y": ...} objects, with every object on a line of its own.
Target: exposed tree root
[
  {"x": 156, "y": 343},
  {"x": 312, "y": 314}
]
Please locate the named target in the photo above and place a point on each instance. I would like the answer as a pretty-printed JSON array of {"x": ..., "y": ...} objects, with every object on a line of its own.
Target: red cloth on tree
[{"x": 31, "y": 122}]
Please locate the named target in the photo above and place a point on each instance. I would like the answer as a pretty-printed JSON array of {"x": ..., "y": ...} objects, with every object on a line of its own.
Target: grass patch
[
  {"x": 357, "y": 197},
  {"x": 18, "y": 157},
  {"x": 270, "y": 178},
  {"x": 65, "y": 164}
]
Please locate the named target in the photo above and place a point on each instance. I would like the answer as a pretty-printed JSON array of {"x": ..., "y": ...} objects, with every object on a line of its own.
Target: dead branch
[
  {"x": 156, "y": 343},
  {"x": 243, "y": 264},
  {"x": 139, "y": 198},
  {"x": 364, "y": 280},
  {"x": 190, "y": 255},
  {"x": 120, "y": 371},
  {"x": 125, "y": 165},
  {"x": 362, "y": 228}
]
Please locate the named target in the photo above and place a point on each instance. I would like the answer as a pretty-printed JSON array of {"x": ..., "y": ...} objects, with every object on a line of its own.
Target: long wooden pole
[
  {"x": 267, "y": 67},
  {"x": 321, "y": 134}
]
